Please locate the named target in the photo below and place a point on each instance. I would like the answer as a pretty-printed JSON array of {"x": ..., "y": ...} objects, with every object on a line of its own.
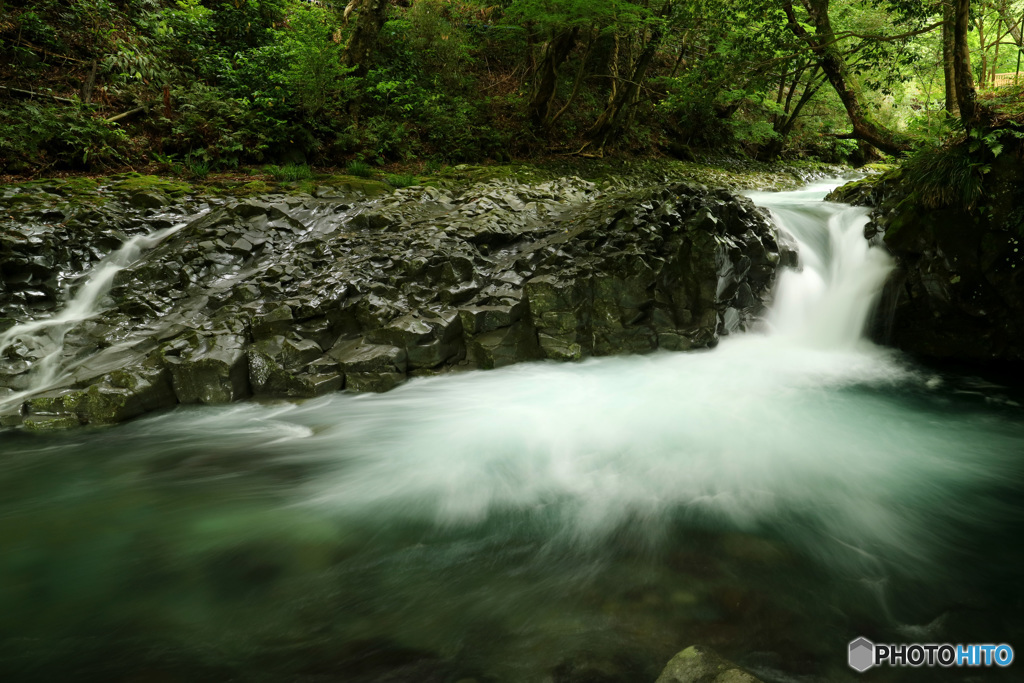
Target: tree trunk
[
  {"x": 971, "y": 113},
  {"x": 610, "y": 120},
  {"x": 1012, "y": 22},
  {"x": 784, "y": 125},
  {"x": 580, "y": 72},
  {"x": 90, "y": 83},
  {"x": 980, "y": 25},
  {"x": 369, "y": 18},
  {"x": 545, "y": 82},
  {"x": 995, "y": 59},
  {"x": 823, "y": 44},
  {"x": 952, "y": 101}
]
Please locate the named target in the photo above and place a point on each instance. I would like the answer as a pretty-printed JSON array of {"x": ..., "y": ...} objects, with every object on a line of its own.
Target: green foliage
[
  {"x": 360, "y": 169},
  {"x": 953, "y": 175},
  {"x": 399, "y": 181},
  {"x": 41, "y": 134},
  {"x": 384, "y": 139},
  {"x": 133, "y": 65},
  {"x": 263, "y": 81},
  {"x": 228, "y": 130},
  {"x": 197, "y": 165},
  {"x": 314, "y": 75},
  {"x": 945, "y": 177}
]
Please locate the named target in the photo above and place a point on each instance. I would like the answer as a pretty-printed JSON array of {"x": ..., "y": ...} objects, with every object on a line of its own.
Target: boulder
[
  {"x": 699, "y": 664},
  {"x": 282, "y": 367},
  {"x": 211, "y": 370}
]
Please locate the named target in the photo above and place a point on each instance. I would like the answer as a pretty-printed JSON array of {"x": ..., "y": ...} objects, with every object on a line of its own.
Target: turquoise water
[{"x": 510, "y": 525}]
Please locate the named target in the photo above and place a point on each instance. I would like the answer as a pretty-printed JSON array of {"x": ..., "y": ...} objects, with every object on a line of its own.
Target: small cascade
[
  {"x": 827, "y": 301},
  {"x": 43, "y": 340}
]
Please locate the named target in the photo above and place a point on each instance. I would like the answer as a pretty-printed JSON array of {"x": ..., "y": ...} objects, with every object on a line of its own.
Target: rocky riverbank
[
  {"x": 958, "y": 292},
  {"x": 299, "y": 295}
]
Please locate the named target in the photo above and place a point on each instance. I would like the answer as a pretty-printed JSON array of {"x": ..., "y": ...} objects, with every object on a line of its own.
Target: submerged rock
[
  {"x": 699, "y": 664},
  {"x": 296, "y": 297}
]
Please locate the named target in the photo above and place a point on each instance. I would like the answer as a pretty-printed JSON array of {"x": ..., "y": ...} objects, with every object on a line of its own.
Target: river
[{"x": 774, "y": 498}]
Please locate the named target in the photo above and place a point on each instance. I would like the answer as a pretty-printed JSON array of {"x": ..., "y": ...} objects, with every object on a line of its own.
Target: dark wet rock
[
  {"x": 699, "y": 664},
  {"x": 121, "y": 395},
  {"x": 210, "y": 369},
  {"x": 284, "y": 368},
  {"x": 298, "y": 296},
  {"x": 148, "y": 200},
  {"x": 370, "y": 367},
  {"x": 276, "y": 322}
]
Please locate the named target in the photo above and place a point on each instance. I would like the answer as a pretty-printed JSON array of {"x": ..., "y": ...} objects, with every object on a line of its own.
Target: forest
[{"x": 195, "y": 87}]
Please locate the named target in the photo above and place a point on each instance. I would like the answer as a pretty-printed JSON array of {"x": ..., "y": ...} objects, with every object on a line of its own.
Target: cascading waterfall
[
  {"x": 44, "y": 339},
  {"x": 776, "y": 496},
  {"x": 827, "y": 301}
]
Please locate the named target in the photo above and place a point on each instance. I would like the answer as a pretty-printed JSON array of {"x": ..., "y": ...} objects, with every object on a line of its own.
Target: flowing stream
[
  {"x": 775, "y": 498},
  {"x": 43, "y": 339}
]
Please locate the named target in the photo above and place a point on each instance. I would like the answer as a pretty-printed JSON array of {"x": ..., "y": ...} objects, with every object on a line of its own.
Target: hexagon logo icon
[{"x": 862, "y": 654}]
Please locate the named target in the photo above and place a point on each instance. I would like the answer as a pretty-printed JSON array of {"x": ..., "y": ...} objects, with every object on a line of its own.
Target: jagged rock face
[
  {"x": 44, "y": 242},
  {"x": 296, "y": 297},
  {"x": 958, "y": 292}
]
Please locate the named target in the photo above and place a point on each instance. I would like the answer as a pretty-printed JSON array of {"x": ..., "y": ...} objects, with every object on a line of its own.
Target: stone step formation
[{"x": 298, "y": 296}]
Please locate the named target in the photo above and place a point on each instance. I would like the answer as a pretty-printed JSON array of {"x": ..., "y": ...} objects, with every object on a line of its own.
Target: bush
[
  {"x": 229, "y": 130},
  {"x": 197, "y": 166},
  {"x": 315, "y": 74},
  {"x": 398, "y": 181},
  {"x": 42, "y": 134}
]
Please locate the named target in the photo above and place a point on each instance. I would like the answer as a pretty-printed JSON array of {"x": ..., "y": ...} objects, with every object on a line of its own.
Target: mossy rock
[
  {"x": 134, "y": 182},
  {"x": 345, "y": 182},
  {"x": 249, "y": 189}
]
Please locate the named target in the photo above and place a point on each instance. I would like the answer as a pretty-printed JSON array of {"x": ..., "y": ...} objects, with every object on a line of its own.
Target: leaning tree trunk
[
  {"x": 948, "y": 64},
  {"x": 823, "y": 43},
  {"x": 369, "y": 16},
  {"x": 1012, "y": 23},
  {"x": 545, "y": 82}
]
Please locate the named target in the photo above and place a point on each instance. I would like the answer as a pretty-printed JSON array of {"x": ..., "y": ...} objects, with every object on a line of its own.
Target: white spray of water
[
  {"x": 825, "y": 303},
  {"x": 765, "y": 430},
  {"x": 44, "y": 339}
]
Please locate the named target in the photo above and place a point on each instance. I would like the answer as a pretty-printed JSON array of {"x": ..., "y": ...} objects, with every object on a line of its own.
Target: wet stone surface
[{"x": 296, "y": 296}]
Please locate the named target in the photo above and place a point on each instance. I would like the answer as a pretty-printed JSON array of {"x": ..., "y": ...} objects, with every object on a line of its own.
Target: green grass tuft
[
  {"x": 289, "y": 173},
  {"x": 360, "y": 169}
]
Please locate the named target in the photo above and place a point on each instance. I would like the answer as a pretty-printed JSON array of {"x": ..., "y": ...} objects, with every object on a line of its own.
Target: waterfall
[
  {"x": 825, "y": 303},
  {"x": 44, "y": 339}
]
